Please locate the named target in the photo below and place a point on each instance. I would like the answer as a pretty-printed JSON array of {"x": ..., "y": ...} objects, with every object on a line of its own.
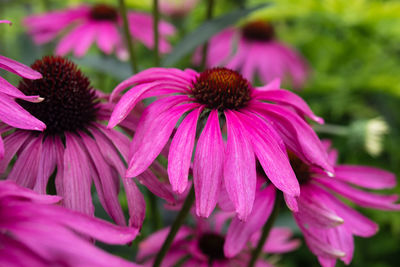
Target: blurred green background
[{"x": 353, "y": 48}]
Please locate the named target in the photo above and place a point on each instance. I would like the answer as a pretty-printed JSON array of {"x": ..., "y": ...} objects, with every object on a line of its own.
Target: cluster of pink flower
[{"x": 245, "y": 148}]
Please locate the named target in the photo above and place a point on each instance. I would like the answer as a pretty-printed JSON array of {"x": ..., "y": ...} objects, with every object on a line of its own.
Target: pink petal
[
  {"x": 12, "y": 144},
  {"x": 136, "y": 203},
  {"x": 149, "y": 180},
  {"x": 76, "y": 177},
  {"x": 279, "y": 241},
  {"x": 297, "y": 134},
  {"x": 13, "y": 114},
  {"x": 18, "y": 68},
  {"x": 155, "y": 75},
  {"x": 364, "y": 176},
  {"x": 106, "y": 181},
  {"x": 148, "y": 142},
  {"x": 272, "y": 157},
  {"x": 47, "y": 165},
  {"x": 239, "y": 232},
  {"x": 129, "y": 100},
  {"x": 362, "y": 198},
  {"x": 25, "y": 169},
  {"x": 353, "y": 220},
  {"x": 239, "y": 167},
  {"x": 180, "y": 152},
  {"x": 207, "y": 166},
  {"x": 12, "y": 91},
  {"x": 291, "y": 202}
]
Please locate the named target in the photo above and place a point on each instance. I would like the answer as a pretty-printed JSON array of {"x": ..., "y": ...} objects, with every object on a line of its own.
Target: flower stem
[
  {"x": 331, "y": 129},
  {"x": 156, "y": 18},
  {"x": 155, "y": 214},
  {"x": 128, "y": 38},
  {"x": 265, "y": 231},
  {"x": 175, "y": 227},
  {"x": 209, "y": 15}
]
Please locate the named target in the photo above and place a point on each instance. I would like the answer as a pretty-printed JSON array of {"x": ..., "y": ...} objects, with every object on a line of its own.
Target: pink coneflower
[
  {"x": 203, "y": 245},
  {"x": 177, "y": 8},
  {"x": 11, "y": 113},
  {"x": 254, "y": 51},
  {"x": 98, "y": 23},
  {"x": 327, "y": 223},
  {"x": 35, "y": 231},
  {"x": 255, "y": 128},
  {"x": 75, "y": 149}
]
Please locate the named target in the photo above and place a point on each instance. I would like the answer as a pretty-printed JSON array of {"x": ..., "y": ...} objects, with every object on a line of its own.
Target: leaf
[
  {"x": 203, "y": 33},
  {"x": 109, "y": 65}
]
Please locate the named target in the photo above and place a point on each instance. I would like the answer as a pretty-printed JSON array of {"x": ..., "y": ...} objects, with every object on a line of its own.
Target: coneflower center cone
[
  {"x": 69, "y": 100},
  {"x": 258, "y": 31},
  {"x": 221, "y": 88},
  {"x": 104, "y": 12},
  {"x": 212, "y": 245}
]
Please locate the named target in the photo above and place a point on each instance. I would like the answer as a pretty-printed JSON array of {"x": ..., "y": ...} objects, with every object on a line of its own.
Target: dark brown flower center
[
  {"x": 212, "y": 245},
  {"x": 104, "y": 12},
  {"x": 301, "y": 169},
  {"x": 258, "y": 31},
  {"x": 221, "y": 88},
  {"x": 69, "y": 100}
]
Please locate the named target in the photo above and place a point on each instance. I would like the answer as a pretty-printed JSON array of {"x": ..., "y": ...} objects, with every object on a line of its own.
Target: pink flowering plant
[{"x": 165, "y": 133}]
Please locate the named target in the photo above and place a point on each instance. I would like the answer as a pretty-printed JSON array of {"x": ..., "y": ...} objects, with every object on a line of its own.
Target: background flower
[{"x": 99, "y": 23}]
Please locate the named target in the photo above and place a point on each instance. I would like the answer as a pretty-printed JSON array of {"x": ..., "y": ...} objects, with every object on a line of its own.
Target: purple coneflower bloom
[
  {"x": 99, "y": 23},
  {"x": 75, "y": 149},
  {"x": 35, "y": 231},
  {"x": 11, "y": 113},
  {"x": 177, "y": 8},
  {"x": 255, "y": 128},
  {"x": 203, "y": 245},
  {"x": 327, "y": 223},
  {"x": 254, "y": 51}
]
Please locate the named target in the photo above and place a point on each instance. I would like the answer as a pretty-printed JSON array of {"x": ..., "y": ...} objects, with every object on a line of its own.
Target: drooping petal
[
  {"x": 149, "y": 180},
  {"x": 10, "y": 90},
  {"x": 25, "y": 169},
  {"x": 239, "y": 166},
  {"x": 13, "y": 114},
  {"x": 131, "y": 98},
  {"x": 76, "y": 177},
  {"x": 106, "y": 181},
  {"x": 148, "y": 142},
  {"x": 279, "y": 241},
  {"x": 180, "y": 152},
  {"x": 47, "y": 164},
  {"x": 18, "y": 68},
  {"x": 155, "y": 75},
  {"x": 208, "y": 166},
  {"x": 136, "y": 203},
  {"x": 239, "y": 232},
  {"x": 360, "y": 197},
  {"x": 297, "y": 134},
  {"x": 353, "y": 220},
  {"x": 365, "y": 176},
  {"x": 271, "y": 155}
]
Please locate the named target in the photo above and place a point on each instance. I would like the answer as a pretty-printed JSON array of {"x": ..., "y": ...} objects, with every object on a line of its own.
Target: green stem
[
  {"x": 265, "y": 231},
  {"x": 156, "y": 18},
  {"x": 331, "y": 129},
  {"x": 46, "y": 5},
  {"x": 128, "y": 38},
  {"x": 209, "y": 15},
  {"x": 155, "y": 214},
  {"x": 175, "y": 227}
]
